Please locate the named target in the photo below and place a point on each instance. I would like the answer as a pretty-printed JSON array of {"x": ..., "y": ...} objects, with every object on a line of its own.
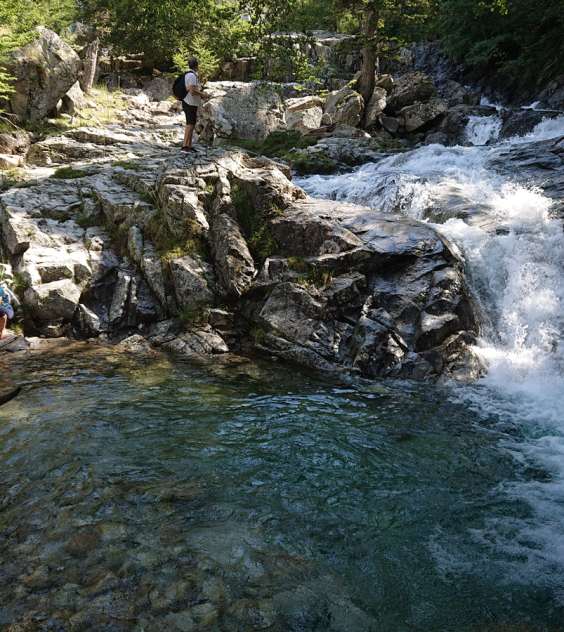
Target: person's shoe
[{"x": 187, "y": 150}]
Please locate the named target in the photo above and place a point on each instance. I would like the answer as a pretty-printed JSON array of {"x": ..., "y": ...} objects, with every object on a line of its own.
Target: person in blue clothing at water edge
[
  {"x": 6, "y": 312},
  {"x": 191, "y": 103}
]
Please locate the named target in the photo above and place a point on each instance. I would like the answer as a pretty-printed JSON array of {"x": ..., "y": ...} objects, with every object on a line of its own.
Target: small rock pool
[{"x": 151, "y": 493}]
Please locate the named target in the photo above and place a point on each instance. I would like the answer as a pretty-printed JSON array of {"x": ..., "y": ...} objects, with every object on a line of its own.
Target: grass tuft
[
  {"x": 276, "y": 144},
  {"x": 193, "y": 317},
  {"x": 68, "y": 172},
  {"x": 259, "y": 238}
]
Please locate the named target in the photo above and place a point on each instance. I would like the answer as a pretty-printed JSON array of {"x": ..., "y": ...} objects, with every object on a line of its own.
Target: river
[{"x": 150, "y": 493}]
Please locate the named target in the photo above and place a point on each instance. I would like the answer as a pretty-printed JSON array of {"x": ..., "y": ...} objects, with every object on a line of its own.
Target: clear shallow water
[
  {"x": 151, "y": 493},
  {"x": 513, "y": 248}
]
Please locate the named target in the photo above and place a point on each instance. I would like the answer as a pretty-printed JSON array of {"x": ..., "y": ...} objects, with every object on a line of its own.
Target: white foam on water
[
  {"x": 518, "y": 275},
  {"x": 547, "y": 129},
  {"x": 481, "y": 129},
  {"x": 485, "y": 101}
]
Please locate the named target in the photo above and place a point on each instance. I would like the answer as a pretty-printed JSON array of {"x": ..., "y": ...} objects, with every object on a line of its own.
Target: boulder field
[{"x": 120, "y": 238}]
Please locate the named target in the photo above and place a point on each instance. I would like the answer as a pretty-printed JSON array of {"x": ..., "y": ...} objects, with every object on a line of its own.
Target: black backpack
[{"x": 179, "y": 86}]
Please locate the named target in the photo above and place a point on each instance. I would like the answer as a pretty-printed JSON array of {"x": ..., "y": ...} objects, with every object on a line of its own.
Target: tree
[
  {"x": 160, "y": 29},
  {"x": 382, "y": 26},
  {"x": 520, "y": 39}
]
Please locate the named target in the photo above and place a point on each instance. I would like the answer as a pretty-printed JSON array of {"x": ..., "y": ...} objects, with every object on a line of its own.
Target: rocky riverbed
[{"x": 118, "y": 237}]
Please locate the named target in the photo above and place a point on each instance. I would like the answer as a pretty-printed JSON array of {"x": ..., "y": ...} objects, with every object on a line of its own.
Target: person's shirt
[
  {"x": 191, "y": 79},
  {"x": 5, "y": 303}
]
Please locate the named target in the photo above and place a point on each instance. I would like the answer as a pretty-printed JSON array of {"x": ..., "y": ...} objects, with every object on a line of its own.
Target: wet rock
[
  {"x": 135, "y": 343},
  {"x": 200, "y": 343},
  {"x": 419, "y": 114},
  {"x": 408, "y": 89},
  {"x": 291, "y": 311},
  {"x": 521, "y": 122},
  {"x": 84, "y": 542},
  {"x": 179, "y": 622},
  {"x": 13, "y": 344}
]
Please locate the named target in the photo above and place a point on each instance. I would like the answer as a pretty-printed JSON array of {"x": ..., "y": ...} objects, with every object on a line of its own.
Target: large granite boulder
[
  {"x": 190, "y": 284},
  {"x": 45, "y": 70},
  {"x": 158, "y": 89},
  {"x": 375, "y": 108},
  {"x": 304, "y": 113},
  {"x": 419, "y": 114},
  {"x": 246, "y": 111},
  {"x": 412, "y": 87},
  {"x": 345, "y": 106}
]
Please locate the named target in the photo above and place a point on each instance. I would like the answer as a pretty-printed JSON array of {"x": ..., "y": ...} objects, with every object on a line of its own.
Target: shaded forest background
[{"x": 510, "y": 38}]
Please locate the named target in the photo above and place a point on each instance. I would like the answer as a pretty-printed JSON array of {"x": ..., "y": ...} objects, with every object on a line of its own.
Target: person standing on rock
[
  {"x": 191, "y": 103},
  {"x": 6, "y": 312}
]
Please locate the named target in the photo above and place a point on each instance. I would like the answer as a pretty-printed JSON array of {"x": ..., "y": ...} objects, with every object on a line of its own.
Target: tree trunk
[
  {"x": 86, "y": 78},
  {"x": 367, "y": 79}
]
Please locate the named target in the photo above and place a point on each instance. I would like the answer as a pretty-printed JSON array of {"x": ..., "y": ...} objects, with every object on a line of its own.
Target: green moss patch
[
  {"x": 170, "y": 246},
  {"x": 68, "y": 172},
  {"x": 257, "y": 231},
  {"x": 276, "y": 144},
  {"x": 310, "y": 163}
]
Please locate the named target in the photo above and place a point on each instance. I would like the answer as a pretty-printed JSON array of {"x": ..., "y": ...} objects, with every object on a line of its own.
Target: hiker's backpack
[{"x": 179, "y": 86}]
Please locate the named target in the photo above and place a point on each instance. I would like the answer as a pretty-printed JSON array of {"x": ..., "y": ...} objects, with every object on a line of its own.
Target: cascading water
[
  {"x": 481, "y": 129},
  {"x": 513, "y": 247}
]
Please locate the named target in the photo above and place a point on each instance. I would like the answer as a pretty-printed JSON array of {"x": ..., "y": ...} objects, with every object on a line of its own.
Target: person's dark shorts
[
  {"x": 191, "y": 112},
  {"x": 5, "y": 311}
]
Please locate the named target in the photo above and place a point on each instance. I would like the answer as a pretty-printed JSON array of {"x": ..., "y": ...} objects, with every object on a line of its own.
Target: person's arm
[{"x": 195, "y": 92}]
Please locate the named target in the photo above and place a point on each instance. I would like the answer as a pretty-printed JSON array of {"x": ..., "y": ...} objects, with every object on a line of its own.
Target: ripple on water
[{"x": 157, "y": 494}]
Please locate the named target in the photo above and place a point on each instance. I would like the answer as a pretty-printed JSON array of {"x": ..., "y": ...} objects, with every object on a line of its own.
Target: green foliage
[
  {"x": 276, "y": 144},
  {"x": 209, "y": 62},
  {"x": 309, "y": 163},
  {"x": 211, "y": 30},
  {"x": 312, "y": 275},
  {"x": 259, "y": 238},
  {"x": 88, "y": 221},
  {"x": 170, "y": 246},
  {"x": 68, "y": 172},
  {"x": 18, "y": 18},
  {"x": 20, "y": 284},
  {"x": 258, "y": 332},
  {"x": 519, "y": 39},
  {"x": 124, "y": 164},
  {"x": 193, "y": 317},
  {"x": 118, "y": 237}
]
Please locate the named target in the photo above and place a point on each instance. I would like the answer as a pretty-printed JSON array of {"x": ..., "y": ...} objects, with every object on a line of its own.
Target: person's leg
[
  {"x": 188, "y": 137},
  {"x": 3, "y": 331}
]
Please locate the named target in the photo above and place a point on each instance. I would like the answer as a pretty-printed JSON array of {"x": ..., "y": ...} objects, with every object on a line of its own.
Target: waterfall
[
  {"x": 481, "y": 129},
  {"x": 513, "y": 247}
]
